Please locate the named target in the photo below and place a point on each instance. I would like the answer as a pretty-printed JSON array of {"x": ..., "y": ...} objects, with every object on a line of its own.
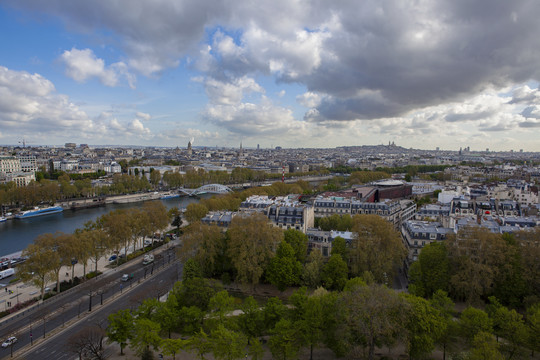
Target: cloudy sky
[{"x": 291, "y": 73}]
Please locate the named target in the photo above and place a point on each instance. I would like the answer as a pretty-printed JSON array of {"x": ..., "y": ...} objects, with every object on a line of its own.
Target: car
[
  {"x": 125, "y": 277},
  {"x": 112, "y": 258},
  {"x": 9, "y": 341}
]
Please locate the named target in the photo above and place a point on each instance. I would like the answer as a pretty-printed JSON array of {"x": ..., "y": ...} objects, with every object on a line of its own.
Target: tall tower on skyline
[{"x": 189, "y": 149}]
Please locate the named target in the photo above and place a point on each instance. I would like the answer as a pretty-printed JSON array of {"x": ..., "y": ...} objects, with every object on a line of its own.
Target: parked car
[
  {"x": 113, "y": 258},
  {"x": 9, "y": 341}
]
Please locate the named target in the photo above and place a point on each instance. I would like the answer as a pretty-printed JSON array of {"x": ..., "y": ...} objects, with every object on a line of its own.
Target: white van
[{"x": 6, "y": 273}]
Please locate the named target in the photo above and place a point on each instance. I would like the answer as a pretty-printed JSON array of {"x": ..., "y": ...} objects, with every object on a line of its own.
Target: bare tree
[{"x": 88, "y": 343}]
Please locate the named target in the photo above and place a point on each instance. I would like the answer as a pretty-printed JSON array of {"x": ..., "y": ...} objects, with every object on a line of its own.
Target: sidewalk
[{"x": 19, "y": 292}]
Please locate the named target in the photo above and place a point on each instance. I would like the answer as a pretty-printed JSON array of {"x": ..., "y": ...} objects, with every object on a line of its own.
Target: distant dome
[{"x": 389, "y": 183}]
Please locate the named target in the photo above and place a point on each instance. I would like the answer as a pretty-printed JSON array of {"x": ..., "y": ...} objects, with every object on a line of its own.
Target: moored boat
[{"x": 39, "y": 212}]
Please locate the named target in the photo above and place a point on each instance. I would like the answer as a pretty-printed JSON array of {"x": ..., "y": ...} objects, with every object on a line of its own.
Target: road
[{"x": 82, "y": 306}]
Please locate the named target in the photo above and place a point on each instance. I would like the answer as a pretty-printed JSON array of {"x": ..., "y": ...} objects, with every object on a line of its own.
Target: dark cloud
[{"x": 369, "y": 59}]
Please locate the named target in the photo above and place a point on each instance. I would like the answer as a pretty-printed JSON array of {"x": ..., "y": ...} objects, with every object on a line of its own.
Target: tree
[
  {"x": 284, "y": 269},
  {"x": 145, "y": 334},
  {"x": 227, "y": 344},
  {"x": 88, "y": 343},
  {"x": 485, "y": 347},
  {"x": 83, "y": 248},
  {"x": 434, "y": 267},
  {"x": 424, "y": 325},
  {"x": 472, "y": 321},
  {"x": 120, "y": 328},
  {"x": 171, "y": 347},
  {"x": 299, "y": 243},
  {"x": 155, "y": 177},
  {"x": 313, "y": 323},
  {"x": 376, "y": 247},
  {"x": 205, "y": 244},
  {"x": 273, "y": 311},
  {"x": 339, "y": 246},
  {"x": 176, "y": 217},
  {"x": 252, "y": 241},
  {"x": 251, "y": 321},
  {"x": 285, "y": 341},
  {"x": 61, "y": 253},
  {"x": 312, "y": 273},
  {"x": 476, "y": 257},
  {"x": 373, "y": 316},
  {"x": 192, "y": 269},
  {"x": 117, "y": 226},
  {"x": 157, "y": 216},
  {"x": 195, "y": 212},
  {"x": 334, "y": 275},
  {"x": 444, "y": 304},
  {"x": 509, "y": 325},
  {"x": 195, "y": 292},
  {"x": 533, "y": 323},
  {"x": 39, "y": 266},
  {"x": 200, "y": 344},
  {"x": 220, "y": 304}
]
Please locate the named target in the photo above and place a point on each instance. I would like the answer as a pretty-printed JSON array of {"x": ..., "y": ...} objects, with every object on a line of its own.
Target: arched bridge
[{"x": 207, "y": 189}]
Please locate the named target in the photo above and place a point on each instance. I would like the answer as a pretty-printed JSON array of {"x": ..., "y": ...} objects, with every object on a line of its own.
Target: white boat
[
  {"x": 39, "y": 212},
  {"x": 2, "y": 219}
]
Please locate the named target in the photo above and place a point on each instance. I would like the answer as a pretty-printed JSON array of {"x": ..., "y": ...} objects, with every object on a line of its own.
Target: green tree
[
  {"x": 120, "y": 328},
  {"x": 444, "y": 304},
  {"x": 252, "y": 241},
  {"x": 145, "y": 335},
  {"x": 435, "y": 268},
  {"x": 472, "y": 321},
  {"x": 171, "y": 347},
  {"x": 200, "y": 344},
  {"x": 227, "y": 344},
  {"x": 192, "y": 269},
  {"x": 334, "y": 275},
  {"x": 312, "y": 272},
  {"x": 313, "y": 323},
  {"x": 373, "y": 316},
  {"x": 485, "y": 347},
  {"x": 251, "y": 321},
  {"x": 285, "y": 341},
  {"x": 509, "y": 325},
  {"x": 424, "y": 325},
  {"x": 221, "y": 304},
  {"x": 533, "y": 324},
  {"x": 273, "y": 311},
  {"x": 339, "y": 246},
  {"x": 299, "y": 243},
  {"x": 195, "y": 292},
  {"x": 284, "y": 269},
  {"x": 376, "y": 247}
]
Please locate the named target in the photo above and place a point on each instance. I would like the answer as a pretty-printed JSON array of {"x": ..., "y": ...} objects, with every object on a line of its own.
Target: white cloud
[
  {"x": 143, "y": 116},
  {"x": 309, "y": 99},
  {"x": 232, "y": 91},
  {"x": 82, "y": 65}
]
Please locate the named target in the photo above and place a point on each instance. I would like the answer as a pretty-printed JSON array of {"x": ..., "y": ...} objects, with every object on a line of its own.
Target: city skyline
[{"x": 304, "y": 74}]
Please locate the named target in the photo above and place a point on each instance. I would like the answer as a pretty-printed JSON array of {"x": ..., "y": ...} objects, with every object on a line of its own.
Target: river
[{"x": 15, "y": 235}]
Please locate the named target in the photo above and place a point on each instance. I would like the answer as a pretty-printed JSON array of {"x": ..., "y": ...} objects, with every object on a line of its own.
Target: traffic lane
[
  {"x": 104, "y": 281},
  {"x": 154, "y": 287}
]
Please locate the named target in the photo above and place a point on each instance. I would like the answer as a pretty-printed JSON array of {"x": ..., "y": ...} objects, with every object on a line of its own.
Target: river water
[{"x": 16, "y": 234}]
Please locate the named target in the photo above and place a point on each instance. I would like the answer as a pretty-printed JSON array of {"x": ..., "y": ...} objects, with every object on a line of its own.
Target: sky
[{"x": 291, "y": 73}]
